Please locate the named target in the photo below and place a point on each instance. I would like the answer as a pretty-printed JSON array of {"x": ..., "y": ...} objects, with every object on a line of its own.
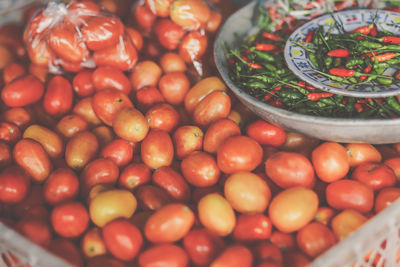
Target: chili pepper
[
  {"x": 392, "y": 47},
  {"x": 302, "y": 84},
  {"x": 391, "y": 39},
  {"x": 254, "y": 84},
  {"x": 363, "y": 29},
  {"x": 270, "y": 67},
  {"x": 277, "y": 88},
  {"x": 352, "y": 80},
  {"x": 313, "y": 60},
  {"x": 327, "y": 101},
  {"x": 369, "y": 54},
  {"x": 384, "y": 57},
  {"x": 271, "y": 36},
  {"x": 374, "y": 30},
  {"x": 264, "y": 56},
  {"x": 309, "y": 37},
  {"x": 318, "y": 96},
  {"x": 369, "y": 44},
  {"x": 265, "y": 47},
  {"x": 366, "y": 70},
  {"x": 353, "y": 62},
  {"x": 328, "y": 61},
  {"x": 277, "y": 103},
  {"x": 310, "y": 87},
  {"x": 291, "y": 94},
  {"x": 269, "y": 95},
  {"x": 358, "y": 107},
  {"x": 393, "y": 103},
  {"x": 339, "y": 53},
  {"x": 341, "y": 72},
  {"x": 385, "y": 80},
  {"x": 397, "y": 75}
]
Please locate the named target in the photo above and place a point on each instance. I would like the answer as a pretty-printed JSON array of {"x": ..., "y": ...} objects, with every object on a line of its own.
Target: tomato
[
  {"x": 193, "y": 46},
  {"x": 347, "y": 222},
  {"x": 92, "y": 243},
  {"x": 58, "y": 97},
  {"x": 330, "y": 161},
  {"x": 239, "y": 153},
  {"x": 65, "y": 41},
  {"x": 172, "y": 62},
  {"x": 5, "y": 155},
  {"x": 247, "y": 192},
  {"x": 288, "y": 169},
  {"x": 14, "y": 185},
  {"x": 82, "y": 83},
  {"x": 324, "y": 215},
  {"x": 214, "y": 106},
  {"x": 214, "y": 21},
  {"x": 169, "y": 34},
  {"x": 159, "y": 8},
  {"x": 385, "y": 197},
  {"x": 39, "y": 53},
  {"x": 152, "y": 197},
  {"x": 119, "y": 151},
  {"x": 216, "y": 214},
  {"x": 394, "y": 164},
  {"x": 84, "y": 109},
  {"x": 174, "y": 87},
  {"x": 70, "y": 219},
  {"x": 51, "y": 141},
  {"x": 81, "y": 149},
  {"x": 147, "y": 97},
  {"x": 13, "y": 71},
  {"x": 40, "y": 72},
  {"x": 136, "y": 37},
  {"x": 99, "y": 171},
  {"x": 33, "y": 199},
  {"x": 144, "y": 17},
  {"x": 162, "y": 117},
  {"x": 22, "y": 91},
  {"x": 252, "y": 227},
  {"x": 111, "y": 78},
  {"x": 374, "y": 175},
  {"x": 293, "y": 208},
  {"x": 104, "y": 134},
  {"x": 84, "y": 9},
  {"x": 315, "y": 238},
  {"x": 295, "y": 258},
  {"x": 218, "y": 132},
  {"x": 106, "y": 104},
  {"x": 134, "y": 175},
  {"x": 146, "y": 73},
  {"x": 269, "y": 252},
  {"x": 266, "y": 134},
  {"x": 200, "y": 169},
  {"x": 35, "y": 229},
  {"x": 31, "y": 156},
  {"x": 190, "y": 14},
  {"x": 61, "y": 186},
  {"x": 68, "y": 126},
  {"x": 187, "y": 139},
  {"x": 362, "y": 152},
  {"x": 157, "y": 149},
  {"x": 164, "y": 254},
  {"x": 130, "y": 124},
  {"x": 285, "y": 241},
  {"x": 9, "y": 133},
  {"x": 6, "y": 56},
  {"x": 172, "y": 182},
  {"x": 105, "y": 261},
  {"x": 122, "y": 239},
  {"x": 70, "y": 66},
  {"x": 234, "y": 256},
  {"x": 18, "y": 116},
  {"x": 67, "y": 250},
  {"x": 112, "y": 204}
]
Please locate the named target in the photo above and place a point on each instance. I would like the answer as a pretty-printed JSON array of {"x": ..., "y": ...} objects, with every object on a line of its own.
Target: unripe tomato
[
  {"x": 214, "y": 106},
  {"x": 362, "y": 152},
  {"x": 375, "y": 175},
  {"x": 134, "y": 175},
  {"x": 239, "y": 153},
  {"x": 386, "y": 197},
  {"x": 216, "y": 214},
  {"x": 23, "y": 91},
  {"x": 102, "y": 32},
  {"x": 152, "y": 197},
  {"x": 200, "y": 169},
  {"x": 84, "y": 109},
  {"x": 67, "y": 250},
  {"x": 252, "y": 227},
  {"x": 193, "y": 46},
  {"x": 347, "y": 222},
  {"x": 218, "y": 132},
  {"x": 61, "y": 186},
  {"x": 172, "y": 182},
  {"x": 174, "y": 87},
  {"x": 112, "y": 204},
  {"x": 13, "y": 71},
  {"x": 31, "y": 156},
  {"x": 92, "y": 243},
  {"x": 172, "y": 62},
  {"x": 234, "y": 256},
  {"x": 14, "y": 185},
  {"x": 162, "y": 117},
  {"x": 122, "y": 239},
  {"x": 293, "y": 208},
  {"x": 266, "y": 134},
  {"x": 119, "y": 151},
  {"x": 81, "y": 149},
  {"x": 111, "y": 78},
  {"x": 169, "y": 34},
  {"x": 157, "y": 149},
  {"x": 187, "y": 139},
  {"x": 51, "y": 142},
  {"x": 68, "y": 126},
  {"x": 164, "y": 254},
  {"x": 130, "y": 124},
  {"x": 70, "y": 220},
  {"x": 288, "y": 169},
  {"x": 190, "y": 14},
  {"x": 146, "y": 73}
]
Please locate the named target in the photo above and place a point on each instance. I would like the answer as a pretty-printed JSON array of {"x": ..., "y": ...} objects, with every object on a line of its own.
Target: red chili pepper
[
  {"x": 248, "y": 51},
  {"x": 309, "y": 37},
  {"x": 277, "y": 103},
  {"x": 369, "y": 54},
  {"x": 341, "y": 72},
  {"x": 265, "y": 47},
  {"x": 363, "y": 29},
  {"x": 252, "y": 65},
  {"x": 310, "y": 87},
  {"x": 231, "y": 61},
  {"x": 362, "y": 101},
  {"x": 391, "y": 39},
  {"x": 318, "y": 96},
  {"x": 269, "y": 95},
  {"x": 271, "y": 36},
  {"x": 339, "y": 53},
  {"x": 366, "y": 70},
  {"x": 374, "y": 30},
  {"x": 344, "y": 101},
  {"x": 272, "y": 13},
  {"x": 383, "y": 57},
  {"x": 358, "y": 107},
  {"x": 301, "y": 84},
  {"x": 277, "y": 88},
  {"x": 397, "y": 75}
]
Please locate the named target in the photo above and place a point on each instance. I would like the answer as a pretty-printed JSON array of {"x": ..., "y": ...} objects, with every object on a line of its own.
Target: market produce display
[{"x": 159, "y": 164}]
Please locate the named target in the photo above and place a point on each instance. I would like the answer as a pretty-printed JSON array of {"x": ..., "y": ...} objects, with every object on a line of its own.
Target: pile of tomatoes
[{"x": 160, "y": 167}]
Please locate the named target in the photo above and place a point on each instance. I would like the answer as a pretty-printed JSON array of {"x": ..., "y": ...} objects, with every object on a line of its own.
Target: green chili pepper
[
  {"x": 313, "y": 59},
  {"x": 394, "y": 104},
  {"x": 290, "y": 94},
  {"x": 328, "y": 62},
  {"x": 393, "y": 61},
  {"x": 265, "y": 56},
  {"x": 370, "y": 44},
  {"x": 385, "y": 80},
  {"x": 353, "y": 62}
]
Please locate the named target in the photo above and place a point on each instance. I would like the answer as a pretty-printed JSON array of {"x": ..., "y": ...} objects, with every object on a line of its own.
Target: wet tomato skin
[
  {"x": 14, "y": 185},
  {"x": 22, "y": 91}
]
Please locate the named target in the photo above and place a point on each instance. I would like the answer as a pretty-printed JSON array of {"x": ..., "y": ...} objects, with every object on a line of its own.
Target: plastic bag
[{"x": 76, "y": 35}]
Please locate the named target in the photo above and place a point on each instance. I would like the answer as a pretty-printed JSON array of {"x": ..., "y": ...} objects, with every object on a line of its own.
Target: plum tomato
[
  {"x": 61, "y": 186},
  {"x": 346, "y": 222},
  {"x": 136, "y": 37},
  {"x": 169, "y": 34},
  {"x": 362, "y": 152},
  {"x": 35, "y": 229},
  {"x": 22, "y": 91},
  {"x": 130, "y": 125},
  {"x": 67, "y": 250},
  {"x": 160, "y": 8},
  {"x": 111, "y": 78},
  {"x": 266, "y": 134},
  {"x": 81, "y": 149},
  {"x": 187, "y": 138},
  {"x": 234, "y": 256},
  {"x": 9, "y": 133},
  {"x": 14, "y": 185},
  {"x": 92, "y": 243},
  {"x": 144, "y": 17},
  {"x": 217, "y": 132},
  {"x": 374, "y": 175},
  {"x": 157, "y": 149},
  {"x": 70, "y": 219},
  {"x": 394, "y": 164},
  {"x": 119, "y": 151},
  {"x": 82, "y": 83},
  {"x": 252, "y": 227},
  {"x": 215, "y": 106},
  {"x": 172, "y": 62},
  {"x": 151, "y": 198},
  {"x": 51, "y": 141},
  {"x": 190, "y": 14},
  {"x": 59, "y": 96},
  {"x": 385, "y": 197},
  {"x": 163, "y": 117},
  {"x": 18, "y": 116},
  {"x": 5, "y": 155},
  {"x": 134, "y": 175},
  {"x": 99, "y": 171},
  {"x": 200, "y": 169},
  {"x": 172, "y": 182},
  {"x": 164, "y": 254},
  {"x": 84, "y": 109},
  {"x": 193, "y": 46},
  {"x": 174, "y": 87},
  {"x": 13, "y": 71},
  {"x": 70, "y": 125},
  {"x": 146, "y": 73},
  {"x": 147, "y": 97}
]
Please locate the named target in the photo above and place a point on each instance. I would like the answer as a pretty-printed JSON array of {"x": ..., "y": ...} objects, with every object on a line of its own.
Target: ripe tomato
[
  {"x": 187, "y": 138},
  {"x": 31, "y": 156},
  {"x": 39, "y": 53},
  {"x": 169, "y": 34},
  {"x": 81, "y": 149},
  {"x": 163, "y": 117},
  {"x": 104, "y": 134},
  {"x": 350, "y": 194},
  {"x": 84, "y": 9},
  {"x": 14, "y": 185},
  {"x": 266, "y": 134},
  {"x": 252, "y": 227},
  {"x": 5, "y": 155},
  {"x": 234, "y": 256},
  {"x": 147, "y": 97},
  {"x": 362, "y": 152},
  {"x": 83, "y": 84},
  {"x": 247, "y": 192},
  {"x": 284, "y": 241},
  {"x": 295, "y": 258},
  {"x": 92, "y": 243},
  {"x": 119, "y": 151},
  {"x": 111, "y": 78},
  {"x": 164, "y": 254},
  {"x": 216, "y": 214},
  {"x": 35, "y": 229},
  {"x": 61, "y": 186},
  {"x": 217, "y": 132},
  {"x": 9, "y": 133},
  {"x": 51, "y": 142},
  {"x": 172, "y": 62},
  {"x": 7, "y": 56},
  {"x": 70, "y": 219},
  {"x": 200, "y": 169},
  {"x": 136, "y": 37},
  {"x": 288, "y": 169},
  {"x": 193, "y": 46},
  {"x": 374, "y": 175},
  {"x": 174, "y": 87},
  {"x": 146, "y": 73},
  {"x": 23, "y": 91},
  {"x": 13, "y": 71},
  {"x": 269, "y": 252},
  {"x": 99, "y": 171},
  {"x": 330, "y": 161},
  {"x": 202, "y": 246},
  {"x": 385, "y": 197},
  {"x": 239, "y": 153},
  {"x": 293, "y": 208},
  {"x": 347, "y": 222},
  {"x": 159, "y": 8},
  {"x": 102, "y": 32},
  {"x": 105, "y": 261},
  {"x": 172, "y": 182},
  {"x": 68, "y": 126},
  {"x": 324, "y": 215},
  {"x": 130, "y": 124},
  {"x": 152, "y": 197},
  {"x": 33, "y": 199},
  {"x": 190, "y": 14},
  {"x": 157, "y": 149},
  {"x": 84, "y": 109},
  {"x": 19, "y": 116},
  {"x": 214, "y": 106},
  {"x": 134, "y": 175},
  {"x": 144, "y": 17},
  {"x": 122, "y": 239},
  {"x": 67, "y": 250},
  {"x": 394, "y": 164},
  {"x": 214, "y": 21}
]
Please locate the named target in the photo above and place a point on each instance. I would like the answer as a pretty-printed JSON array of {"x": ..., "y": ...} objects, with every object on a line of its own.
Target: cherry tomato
[
  {"x": 22, "y": 91},
  {"x": 172, "y": 62},
  {"x": 385, "y": 197},
  {"x": 350, "y": 194},
  {"x": 51, "y": 141},
  {"x": 239, "y": 153},
  {"x": 162, "y": 117},
  {"x": 144, "y": 17},
  {"x": 172, "y": 182},
  {"x": 70, "y": 125},
  {"x": 136, "y": 37},
  {"x": 193, "y": 46},
  {"x": 169, "y": 34},
  {"x": 70, "y": 219},
  {"x": 252, "y": 227},
  {"x": 111, "y": 78},
  {"x": 330, "y": 161},
  {"x": 130, "y": 124},
  {"x": 152, "y": 197},
  {"x": 187, "y": 138},
  {"x": 148, "y": 97},
  {"x": 92, "y": 243},
  {"x": 288, "y": 169},
  {"x": 13, "y": 71},
  {"x": 146, "y": 73},
  {"x": 84, "y": 109},
  {"x": 315, "y": 238},
  {"x": 67, "y": 250},
  {"x": 157, "y": 149},
  {"x": 362, "y": 152},
  {"x": 9, "y": 133},
  {"x": 234, "y": 256},
  {"x": 347, "y": 222},
  {"x": 374, "y": 175},
  {"x": 190, "y": 14},
  {"x": 214, "y": 106},
  {"x": 35, "y": 229},
  {"x": 61, "y": 186},
  {"x": 134, "y": 175},
  {"x": 14, "y": 185},
  {"x": 5, "y": 155},
  {"x": 266, "y": 134},
  {"x": 119, "y": 151},
  {"x": 81, "y": 149},
  {"x": 164, "y": 254},
  {"x": 122, "y": 239}
]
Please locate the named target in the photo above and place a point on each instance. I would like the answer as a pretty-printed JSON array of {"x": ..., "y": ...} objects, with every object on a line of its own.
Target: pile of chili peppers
[{"x": 258, "y": 67}]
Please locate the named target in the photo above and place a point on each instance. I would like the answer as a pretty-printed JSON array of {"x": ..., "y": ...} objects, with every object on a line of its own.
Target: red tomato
[
  {"x": 164, "y": 254},
  {"x": 81, "y": 149},
  {"x": 14, "y": 185},
  {"x": 84, "y": 9},
  {"x": 386, "y": 197},
  {"x": 174, "y": 87},
  {"x": 347, "y": 222},
  {"x": 394, "y": 164},
  {"x": 9, "y": 133},
  {"x": 193, "y": 46},
  {"x": 111, "y": 78},
  {"x": 144, "y": 17},
  {"x": 58, "y": 97},
  {"x": 134, "y": 175},
  {"x": 266, "y": 134},
  {"x": 239, "y": 153},
  {"x": 187, "y": 139},
  {"x": 252, "y": 227},
  {"x": 70, "y": 125},
  {"x": 172, "y": 62},
  {"x": 61, "y": 186},
  {"x": 23, "y": 91},
  {"x": 40, "y": 53},
  {"x": 234, "y": 256},
  {"x": 70, "y": 220},
  {"x": 295, "y": 258},
  {"x": 350, "y": 194},
  {"x": 83, "y": 84},
  {"x": 84, "y": 109},
  {"x": 146, "y": 73},
  {"x": 157, "y": 149},
  {"x": 266, "y": 251},
  {"x": 169, "y": 223},
  {"x": 172, "y": 182},
  {"x": 67, "y": 250},
  {"x": 152, "y": 197},
  {"x": 374, "y": 175},
  {"x": 136, "y": 37},
  {"x": 200, "y": 169},
  {"x": 35, "y": 229},
  {"x": 361, "y": 152},
  {"x": 163, "y": 117},
  {"x": 330, "y": 161},
  {"x": 99, "y": 171},
  {"x": 92, "y": 243},
  {"x": 284, "y": 241},
  {"x": 214, "y": 22},
  {"x": 159, "y": 8},
  {"x": 5, "y": 155},
  {"x": 105, "y": 261},
  {"x": 217, "y": 132},
  {"x": 202, "y": 246},
  {"x": 130, "y": 124},
  {"x": 169, "y": 34},
  {"x": 119, "y": 151},
  {"x": 33, "y": 199},
  {"x": 122, "y": 239},
  {"x": 288, "y": 169},
  {"x": 190, "y": 14},
  {"x": 214, "y": 106},
  {"x": 148, "y": 97},
  {"x": 13, "y": 71},
  {"x": 19, "y": 116}
]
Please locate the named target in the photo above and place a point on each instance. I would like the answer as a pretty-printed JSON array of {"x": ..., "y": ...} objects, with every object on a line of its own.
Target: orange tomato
[
  {"x": 252, "y": 227},
  {"x": 146, "y": 73},
  {"x": 217, "y": 132},
  {"x": 70, "y": 219},
  {"x": 385, "y": 197},
  {"x": 68, "y": 126},
  {"x": 200, "y": 169},
  {"x": 163, "y": 117},
  {"x": 324, "y": 215},
  {"x": 61, "y": 186},
  {"x": 92, "y": 243},
  {"x": 193, "y": 46},
  {"x": 172, "y": 182},
  {"x": 130, "y": 124},
  {"x": 266, "y": 134},
  {"x": 119, "y": 151},
  {"x": 214, "y": 106},
  {"x": 22, "y": 91},
  {"x": 362, "y": 152},
  {"x": 168, "y": 33},
  {"x": 84, "y": 109},
  {"x": 174, "y": 87},
  {"x": 134, "y": 175},
  {"x": 172, "y": 62},
  {"x": 157, "y": 149},
  {"x": 190, "y": 14},
  {"x": 234, "y": 256},
  {"x": 81, "y": 149},
  {"x": 111, "y": 78},
  {"x": 51, "y": 141},
  {"x": 159, "y": 8},
  {"x": 187, "y": 138},
  {"x": 14, "y": 185},
  {"x": 347, "y": 222},
  {"x": 164, "y": 254}
]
